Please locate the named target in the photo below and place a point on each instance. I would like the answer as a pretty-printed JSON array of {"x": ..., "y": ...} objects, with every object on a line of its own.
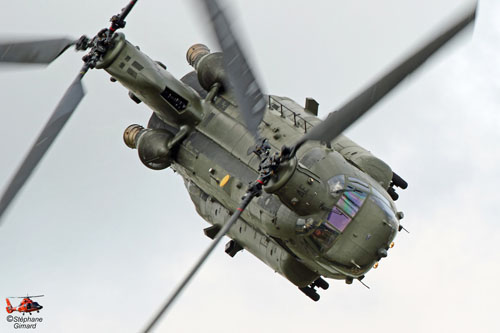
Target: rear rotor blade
[
  {"x": 34, "y": 52},
  {"x": 63, "y": 111},
  {"x": 246, "y": 89},
  {"x": 201, "y": 260},
  {"x": 338, "y": 121}
]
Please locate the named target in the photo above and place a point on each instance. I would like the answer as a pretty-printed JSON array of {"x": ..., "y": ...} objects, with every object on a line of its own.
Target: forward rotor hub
[{"x": 102, "y": 42}]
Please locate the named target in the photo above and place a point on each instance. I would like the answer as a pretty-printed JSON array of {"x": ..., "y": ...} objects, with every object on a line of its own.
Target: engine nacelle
[
  {"x": 153, "y": 145},
  {"x": 172, "y": 101},
  {"x": 208, "y": 66}
]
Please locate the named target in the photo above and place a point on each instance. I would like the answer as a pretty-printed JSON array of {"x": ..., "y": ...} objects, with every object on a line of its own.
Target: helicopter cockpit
[{"x": 351, "y": 194}]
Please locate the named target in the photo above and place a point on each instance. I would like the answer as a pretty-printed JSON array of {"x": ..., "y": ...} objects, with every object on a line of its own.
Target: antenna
[{"x": 364, "y": 284}]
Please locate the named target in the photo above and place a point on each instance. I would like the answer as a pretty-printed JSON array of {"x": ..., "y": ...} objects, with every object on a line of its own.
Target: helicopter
[
  {"x": 354, "y": 188},
  {"x": 26, "y": 306}
]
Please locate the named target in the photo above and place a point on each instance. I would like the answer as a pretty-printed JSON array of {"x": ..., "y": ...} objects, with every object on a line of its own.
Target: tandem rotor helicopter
[{"x": 261, "y": 169}]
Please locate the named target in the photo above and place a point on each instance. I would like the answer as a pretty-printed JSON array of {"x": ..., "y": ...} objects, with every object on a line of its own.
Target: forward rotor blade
[
  {"x": 246, "y": 89},
  {"x": 126, "y": 10},
  {"x": 118, "y": 21},
  {"x": 63, "y": 111},
  {"x": 34, "y": 52},
  {"x": 338, "y": 121},
  {"x": 204, "y": 256}
]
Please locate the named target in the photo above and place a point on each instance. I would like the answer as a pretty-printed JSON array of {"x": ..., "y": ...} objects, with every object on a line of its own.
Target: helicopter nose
[
  {"x": 380, "y": 227},
  {"x": 368, "y": 236}
]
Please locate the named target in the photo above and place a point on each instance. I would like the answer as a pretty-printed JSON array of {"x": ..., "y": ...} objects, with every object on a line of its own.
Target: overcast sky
[{"x": 106, "y": 239}]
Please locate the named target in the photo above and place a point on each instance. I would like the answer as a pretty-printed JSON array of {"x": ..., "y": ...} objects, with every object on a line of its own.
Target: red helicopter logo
[{"x": 26, "y": 305}]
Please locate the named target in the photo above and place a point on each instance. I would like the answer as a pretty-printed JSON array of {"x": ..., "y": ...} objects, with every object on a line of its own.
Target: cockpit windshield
[
  {"x": 352, "y": 198},
  {"x": 346, "y": 208}
]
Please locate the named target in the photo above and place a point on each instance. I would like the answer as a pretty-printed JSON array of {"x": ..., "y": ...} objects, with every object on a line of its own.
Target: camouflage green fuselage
[{"x": 326, "y": 213}]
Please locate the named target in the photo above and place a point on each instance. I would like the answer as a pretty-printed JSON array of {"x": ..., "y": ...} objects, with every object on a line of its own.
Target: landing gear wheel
[
  {"x": 311, "y": 293},
  {"x": 321, "y": 284}
]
